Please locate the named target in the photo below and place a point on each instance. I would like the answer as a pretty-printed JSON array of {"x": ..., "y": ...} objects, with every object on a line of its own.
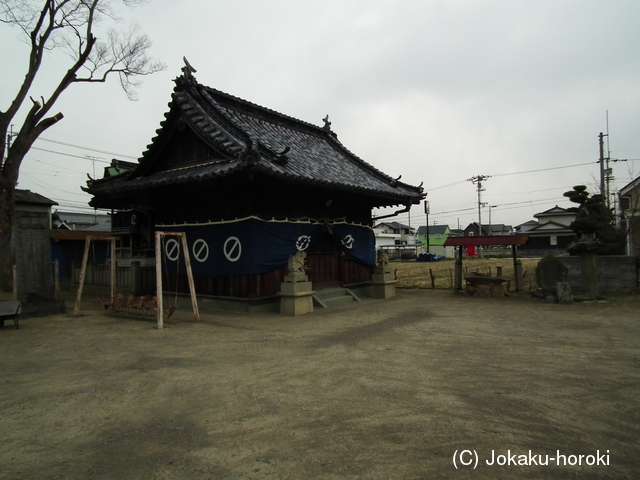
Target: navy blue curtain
[{"x": 252, "y": 246}]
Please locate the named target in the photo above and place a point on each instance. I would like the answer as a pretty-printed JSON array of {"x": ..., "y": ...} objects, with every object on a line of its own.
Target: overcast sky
[{"x": 435, "y": 91}]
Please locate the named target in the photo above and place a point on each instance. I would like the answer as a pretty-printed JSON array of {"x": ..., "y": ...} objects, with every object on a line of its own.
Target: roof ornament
[
  {"x": 327, "y": 123},
  {"x": 282, "y": 158},
  {"x": 395, "y": 182},
  {"x": 251, "y": 156},
  {"x": 188, "y": 71}
]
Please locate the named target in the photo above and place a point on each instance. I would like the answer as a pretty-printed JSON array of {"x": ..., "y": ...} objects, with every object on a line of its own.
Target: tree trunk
[{"x": 6, "y": 231}]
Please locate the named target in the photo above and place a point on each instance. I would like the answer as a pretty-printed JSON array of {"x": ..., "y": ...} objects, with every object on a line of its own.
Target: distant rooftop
[{"x": 27, "y": 196}]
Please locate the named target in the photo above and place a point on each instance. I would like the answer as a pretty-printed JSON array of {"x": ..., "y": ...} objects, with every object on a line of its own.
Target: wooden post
[
  {"x": 56, "y": 279},
  {"x": 112, "y": 243},
  {"x": 15, "y": 282},
  {"x": 160, "y": 306},
  {"x": 517, "y": 269},
  {"x": 192, "y": 286},
  {"x": 458, "y": 286},
  {"x": 433, "y": 279},
  {"x": 83, "y": 271},
  {"x": 187, "y": 258}
]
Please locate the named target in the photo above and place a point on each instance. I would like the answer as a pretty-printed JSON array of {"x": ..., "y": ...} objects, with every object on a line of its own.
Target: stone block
[
  {"x": 563, "y": 293},
  {"x": 296, "y": 298},
  {"x": 288, "y": 288},
  {"x": 383, "y": 277},
  {"x": 296, "y": 277},
  {"x": 384, "y": 285},
  {"x": 384, "y": 290},
  {"x": 549, "y": 272}
]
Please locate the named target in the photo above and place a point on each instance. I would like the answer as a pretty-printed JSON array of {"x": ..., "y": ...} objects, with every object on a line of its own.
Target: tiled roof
[
  {"x": 433, "y": 229},
  {"x": 395, "y": 225},
  {"x": 82, "y": 221},
  {"x": 27, "y": 196},
  {"x": 249, "y": 136}
]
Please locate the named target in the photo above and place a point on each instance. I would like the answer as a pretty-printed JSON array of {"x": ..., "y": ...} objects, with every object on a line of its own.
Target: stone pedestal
[
  {"x": 296, "y": 295},
  {"x": 384, "y": 285}
]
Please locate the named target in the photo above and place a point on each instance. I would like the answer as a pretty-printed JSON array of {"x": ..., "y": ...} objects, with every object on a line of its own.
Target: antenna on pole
[{"x": 93, "y": 160}]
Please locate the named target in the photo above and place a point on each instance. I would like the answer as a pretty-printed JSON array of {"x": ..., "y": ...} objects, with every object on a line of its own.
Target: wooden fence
[{"x": 137, "y": 279}]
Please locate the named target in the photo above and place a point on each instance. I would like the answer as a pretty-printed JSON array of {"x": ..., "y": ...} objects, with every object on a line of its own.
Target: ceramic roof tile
[{"x": 237, "y": 127}]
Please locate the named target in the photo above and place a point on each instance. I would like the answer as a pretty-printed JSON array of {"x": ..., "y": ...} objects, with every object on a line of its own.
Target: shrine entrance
[{"x": 323, "y": 260}]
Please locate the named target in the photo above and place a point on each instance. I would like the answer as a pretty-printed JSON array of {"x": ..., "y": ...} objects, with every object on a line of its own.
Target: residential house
[
  {"x": 526, "y": 226},
  {"x": 494, "y": 229},
  {"x": 551, "y": 232},
  {"x": 437, "y": 236},
  {"x": 629, "y": 199},
  {"x": 385, "y": 237},
  {"x": 405, "y": 234},
  {"x": 404, "y": 244}
]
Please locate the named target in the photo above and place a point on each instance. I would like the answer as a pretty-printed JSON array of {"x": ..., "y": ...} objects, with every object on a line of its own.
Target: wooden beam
[
  {"x": 192, "y": 286},
  {"x": 160, "y": 306},
  {"x": 83, "y": 271}
]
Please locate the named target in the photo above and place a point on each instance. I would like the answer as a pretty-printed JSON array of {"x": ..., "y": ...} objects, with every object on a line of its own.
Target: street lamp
[{"x": 490, "y": 207}]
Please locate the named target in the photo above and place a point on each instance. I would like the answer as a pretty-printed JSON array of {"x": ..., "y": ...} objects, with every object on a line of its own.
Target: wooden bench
[
  {"x": 485, "y": 286},
  {"x": 10, "y": 311}
]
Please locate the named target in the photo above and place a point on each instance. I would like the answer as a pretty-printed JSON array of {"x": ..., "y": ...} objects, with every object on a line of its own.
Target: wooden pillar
[
  {"x": 112, "y": 244},
  {"x": 517, "y": 269},
  {"x": 83, "y": 271},
  {"x": 15, "y": 282},
  {"x": 458, "y": 277},
  {"x": 56, "y": 279},
  {"x": 160, "y": 306},
  {"x": 192, "y": 287},
  {"x": 187, "y": 258}
]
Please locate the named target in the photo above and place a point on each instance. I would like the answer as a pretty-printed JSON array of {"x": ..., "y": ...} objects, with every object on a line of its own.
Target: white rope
[{"x": 309, "y": 221}]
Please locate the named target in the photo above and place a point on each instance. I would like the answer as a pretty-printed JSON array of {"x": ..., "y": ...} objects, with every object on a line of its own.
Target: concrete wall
[{"x": 616, "y": 273}]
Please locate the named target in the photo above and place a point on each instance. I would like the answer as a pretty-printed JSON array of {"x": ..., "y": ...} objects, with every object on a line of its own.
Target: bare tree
[{"x": 70, "y": 26}]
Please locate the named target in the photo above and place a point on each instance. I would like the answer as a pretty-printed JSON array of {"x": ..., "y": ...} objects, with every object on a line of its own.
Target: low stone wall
[{"x": 616, "y": 273}]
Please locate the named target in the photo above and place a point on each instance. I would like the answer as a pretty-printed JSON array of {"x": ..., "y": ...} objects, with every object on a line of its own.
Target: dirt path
[{"x": 372, "y": 390}]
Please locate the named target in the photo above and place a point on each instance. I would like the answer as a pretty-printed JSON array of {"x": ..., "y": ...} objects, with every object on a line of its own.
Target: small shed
[
  {"x": 250, "y": 187},
  {"x": 31, "y": 245}
]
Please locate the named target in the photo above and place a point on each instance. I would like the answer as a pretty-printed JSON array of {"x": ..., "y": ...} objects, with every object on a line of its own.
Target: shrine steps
[{"x": 334, "y": 296}]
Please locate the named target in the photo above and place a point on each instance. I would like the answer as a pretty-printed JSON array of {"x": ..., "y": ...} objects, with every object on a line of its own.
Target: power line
[
  {"x": 542, "y": 169},
  {"x": 66, "y": 154},
  {"x": 86, "y": 148},
  {"x": 513, "y": 173}
]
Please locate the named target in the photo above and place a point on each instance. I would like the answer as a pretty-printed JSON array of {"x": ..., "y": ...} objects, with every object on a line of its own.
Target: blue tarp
[{"x": 254, "y": 246}]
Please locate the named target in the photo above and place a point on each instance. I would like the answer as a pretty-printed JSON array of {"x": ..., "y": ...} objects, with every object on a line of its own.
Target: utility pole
[
  {"x": 603, "y": 190},
  {"x": 606, "y": 173},
  {"x": 477, "y": 180}
]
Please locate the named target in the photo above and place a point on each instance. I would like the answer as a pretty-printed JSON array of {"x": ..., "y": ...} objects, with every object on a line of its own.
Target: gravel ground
[{"x": 371, "y": 390}]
